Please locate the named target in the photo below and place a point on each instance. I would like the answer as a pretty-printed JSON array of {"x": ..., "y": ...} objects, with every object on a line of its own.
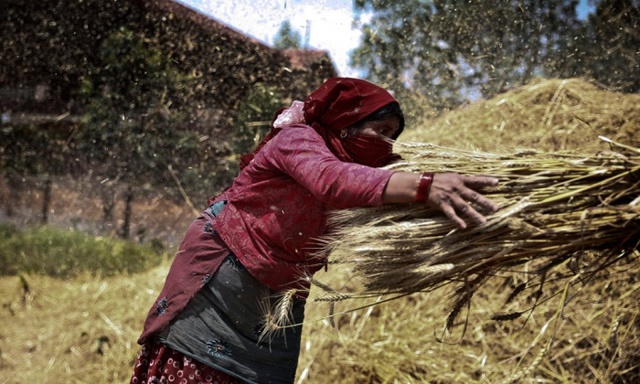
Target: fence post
[
  {"x": 126, "y": 224},
  {"x": 46, "y": 201}
]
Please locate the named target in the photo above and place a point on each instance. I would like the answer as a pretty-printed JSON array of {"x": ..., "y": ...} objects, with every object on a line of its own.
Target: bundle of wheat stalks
[{"x": 566, "y": 213}]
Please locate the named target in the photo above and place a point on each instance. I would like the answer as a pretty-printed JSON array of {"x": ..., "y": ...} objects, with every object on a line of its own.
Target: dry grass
[
  {"x": 403, "y": 340},
  {"x": 75, "y": 331}
]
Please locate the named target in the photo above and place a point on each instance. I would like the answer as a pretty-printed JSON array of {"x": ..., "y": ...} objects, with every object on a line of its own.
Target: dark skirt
[
  {"x": 224, "y": 325},
  {"x": 159, "y": 364}
]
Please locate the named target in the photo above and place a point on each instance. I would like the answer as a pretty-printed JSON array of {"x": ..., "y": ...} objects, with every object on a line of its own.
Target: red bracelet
[{"x": 424, "y": 186}]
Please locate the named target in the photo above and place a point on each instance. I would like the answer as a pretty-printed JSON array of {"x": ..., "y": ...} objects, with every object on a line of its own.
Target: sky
[
  {"x": 323, "y": 24},
  {"x": 327, "y": 23}
]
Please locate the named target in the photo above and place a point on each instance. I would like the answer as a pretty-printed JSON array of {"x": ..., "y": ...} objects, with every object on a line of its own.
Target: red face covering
[{"x": 368, "y": 150}]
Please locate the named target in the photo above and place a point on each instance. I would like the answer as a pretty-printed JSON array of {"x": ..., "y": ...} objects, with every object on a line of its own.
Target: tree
[
  {"x": 287, "y": 37},
  {"x": 130, "y": 121},
  {"x": 613, "y": 33},
  {"x": 450, "y": 50},
  {"x": 254, "y": 117}
]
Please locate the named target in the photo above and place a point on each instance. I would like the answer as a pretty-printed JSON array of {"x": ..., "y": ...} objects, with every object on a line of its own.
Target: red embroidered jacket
[{"x": 277, "y": 206}]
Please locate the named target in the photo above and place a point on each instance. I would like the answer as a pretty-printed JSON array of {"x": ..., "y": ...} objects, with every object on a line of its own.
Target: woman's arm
[
  {"x": 302, "y": 154},
  {"x": 454, "y": 194}
]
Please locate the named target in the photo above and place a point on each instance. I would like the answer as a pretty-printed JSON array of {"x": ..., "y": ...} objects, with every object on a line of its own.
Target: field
[{"x": 83, "y": 329}]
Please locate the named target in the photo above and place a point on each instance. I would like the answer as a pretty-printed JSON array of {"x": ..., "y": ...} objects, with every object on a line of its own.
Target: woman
[{"x": 253, "y": 243}]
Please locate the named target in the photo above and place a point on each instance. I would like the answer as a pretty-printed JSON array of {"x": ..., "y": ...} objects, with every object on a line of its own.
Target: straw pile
[
  {"x": 564, "y": 217},
  {"x": 549, "y": 115}
]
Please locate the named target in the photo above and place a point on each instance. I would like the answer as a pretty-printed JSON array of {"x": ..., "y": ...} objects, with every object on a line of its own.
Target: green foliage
[
  {"x": 451, "y": 50},
  {"x": 612, "y": 35},
  {"x": 137, "y": 120},
  {"x": 25, "y": 149},
  {"x": 287, "y": 37},
  {"x": 53, "y": 252},
  {"x": 131, "y": 103},
  {"x": 254, "y": 117}
]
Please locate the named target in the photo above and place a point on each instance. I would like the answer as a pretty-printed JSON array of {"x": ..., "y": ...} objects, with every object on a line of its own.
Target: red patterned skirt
[{"x": 159, "y": 364}]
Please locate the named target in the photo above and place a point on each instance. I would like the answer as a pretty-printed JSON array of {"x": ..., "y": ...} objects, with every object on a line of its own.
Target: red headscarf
[{"x": 339, "y": 103}]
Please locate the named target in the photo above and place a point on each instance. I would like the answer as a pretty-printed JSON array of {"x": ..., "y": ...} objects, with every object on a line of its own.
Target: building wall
[{"x": 48, "y": 46}]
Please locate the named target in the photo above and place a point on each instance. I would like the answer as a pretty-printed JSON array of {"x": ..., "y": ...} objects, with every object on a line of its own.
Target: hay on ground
[{"x": 548, "y": 115}]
